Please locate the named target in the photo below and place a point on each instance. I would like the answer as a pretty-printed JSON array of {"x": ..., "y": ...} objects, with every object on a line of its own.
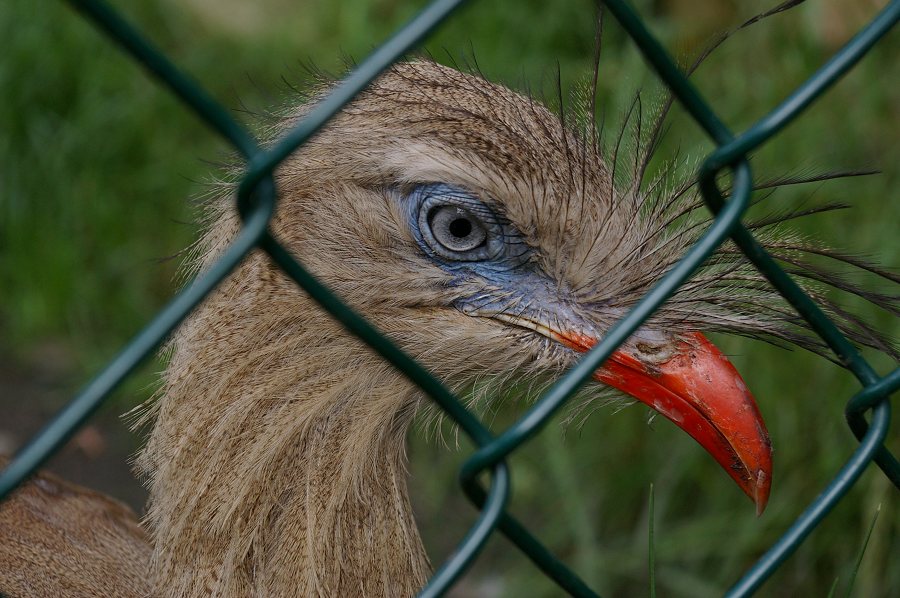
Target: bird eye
[
  {"x": 456, "y": 225},
  {"x": 456, "y": 228}
]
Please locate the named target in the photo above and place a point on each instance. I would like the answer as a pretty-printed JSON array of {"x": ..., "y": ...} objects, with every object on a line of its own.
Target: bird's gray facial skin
[
  {"x": 682, "y": 376},
  {"x": 499, "y": 268}
]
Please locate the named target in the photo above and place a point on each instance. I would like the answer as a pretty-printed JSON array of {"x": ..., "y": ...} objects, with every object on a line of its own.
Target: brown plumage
[
  {"x": 276, "y": 455},
  {"x": 59, "y": 539}
]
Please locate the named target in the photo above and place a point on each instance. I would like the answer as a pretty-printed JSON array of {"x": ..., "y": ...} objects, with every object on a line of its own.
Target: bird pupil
[{"x": 460, "y": 228}]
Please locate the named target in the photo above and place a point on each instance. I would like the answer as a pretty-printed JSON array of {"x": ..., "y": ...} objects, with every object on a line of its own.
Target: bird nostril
[{"x": 648, "y": 348}]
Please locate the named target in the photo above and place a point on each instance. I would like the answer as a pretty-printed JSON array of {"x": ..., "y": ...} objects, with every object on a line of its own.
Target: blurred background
[{"x": 97, "y": 166}]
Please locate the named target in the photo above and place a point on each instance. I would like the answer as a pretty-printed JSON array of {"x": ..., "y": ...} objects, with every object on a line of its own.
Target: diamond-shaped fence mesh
[{"x": 868, "y": 412}]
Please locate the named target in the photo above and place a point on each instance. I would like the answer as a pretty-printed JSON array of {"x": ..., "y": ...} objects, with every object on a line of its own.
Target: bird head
[
  {"x": 491, "y": 242},
  {"x": 494, "y": 243}
]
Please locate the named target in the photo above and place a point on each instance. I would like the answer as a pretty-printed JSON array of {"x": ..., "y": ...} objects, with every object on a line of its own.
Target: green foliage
[
  {"x": 652, "y": 547},
  {"x": 98, "y": 163},
  {"x": 862, "y": 553}
]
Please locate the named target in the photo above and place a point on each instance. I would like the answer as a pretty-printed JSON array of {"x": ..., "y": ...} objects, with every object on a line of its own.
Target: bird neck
[{"x": 277, "y": 470}]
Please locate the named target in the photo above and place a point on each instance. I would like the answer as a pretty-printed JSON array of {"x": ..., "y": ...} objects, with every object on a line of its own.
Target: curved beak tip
[
  {"x": 761, "y": 491},
  {"x": 702, "y": 393},
  {"x": 699, "y": 390}
]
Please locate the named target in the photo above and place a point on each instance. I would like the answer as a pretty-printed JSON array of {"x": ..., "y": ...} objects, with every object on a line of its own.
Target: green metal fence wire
[{"x": 256, "y": 203}]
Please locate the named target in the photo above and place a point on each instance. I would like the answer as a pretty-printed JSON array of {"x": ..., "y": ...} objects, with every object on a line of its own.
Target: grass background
[{"x": 97, "y": 164}]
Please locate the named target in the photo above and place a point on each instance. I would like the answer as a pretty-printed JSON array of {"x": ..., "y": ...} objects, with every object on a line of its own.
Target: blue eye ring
[{"x": 457, "y": 226}]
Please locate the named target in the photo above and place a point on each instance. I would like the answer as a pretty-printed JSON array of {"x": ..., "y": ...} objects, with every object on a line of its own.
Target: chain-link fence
[{"x": 868, "y": 412}]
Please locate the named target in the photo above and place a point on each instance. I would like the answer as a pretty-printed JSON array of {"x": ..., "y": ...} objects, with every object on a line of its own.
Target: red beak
[{"x": 702, "y": 393}]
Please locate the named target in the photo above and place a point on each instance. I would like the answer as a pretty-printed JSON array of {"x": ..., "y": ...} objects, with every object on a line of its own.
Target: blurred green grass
[{"x": 97, "y": 164}]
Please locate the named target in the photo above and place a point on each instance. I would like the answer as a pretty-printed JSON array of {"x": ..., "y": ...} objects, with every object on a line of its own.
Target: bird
[{"x": 492, "y": 239}]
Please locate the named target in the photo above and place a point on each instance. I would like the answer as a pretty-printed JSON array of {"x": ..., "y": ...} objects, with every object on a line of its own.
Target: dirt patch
[{"x": 31, "y": 392}]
